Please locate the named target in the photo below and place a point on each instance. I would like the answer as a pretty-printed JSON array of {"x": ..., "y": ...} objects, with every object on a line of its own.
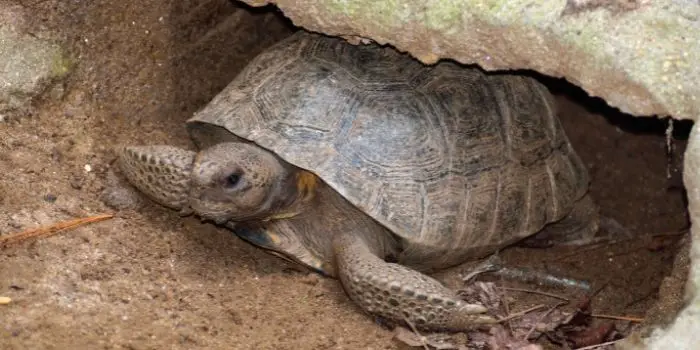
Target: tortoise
[{"x": 368, "y": 166}]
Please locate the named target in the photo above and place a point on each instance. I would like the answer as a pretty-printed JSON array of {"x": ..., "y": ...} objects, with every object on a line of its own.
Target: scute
[
  {"x": 365, "y": 67},
  {"x": 527, "y": 113},
  {"x": 306, "y": 92},
  {"x": 469, "y": 112},
  {"x": 450, "y": 158},
  {"x": 382, "y": 127}
]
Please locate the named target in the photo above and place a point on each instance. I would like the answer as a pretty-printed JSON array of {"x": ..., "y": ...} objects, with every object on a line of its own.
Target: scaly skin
[
  {"x": 358, "y": 246},
  {"x": 399, "y": 293},
  {"x": 163, "y": 173}
]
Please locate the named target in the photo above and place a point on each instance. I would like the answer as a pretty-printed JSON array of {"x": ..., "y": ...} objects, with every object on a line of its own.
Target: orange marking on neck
[
  {"x": 306, "y": 187},
  {"x": 306, "y": 184}
]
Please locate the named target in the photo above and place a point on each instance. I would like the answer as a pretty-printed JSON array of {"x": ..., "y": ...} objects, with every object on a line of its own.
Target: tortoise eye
[{"x": 233, "y": 180}]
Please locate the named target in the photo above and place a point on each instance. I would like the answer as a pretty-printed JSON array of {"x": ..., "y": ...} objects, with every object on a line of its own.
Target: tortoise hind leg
[
  {"x": 398, "y": 293},
  {"x": 583, "y": 225}
]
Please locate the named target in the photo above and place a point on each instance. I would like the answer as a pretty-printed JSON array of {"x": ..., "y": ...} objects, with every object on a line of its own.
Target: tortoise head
[
  {"x": 230, "y": 181},
  {"x": 235, "y": 184},
  {"x": 235, "y": 181}
]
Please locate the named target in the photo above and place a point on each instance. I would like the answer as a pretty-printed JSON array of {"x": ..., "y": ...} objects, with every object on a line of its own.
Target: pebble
[
  {"x": 51, "y": 198},
  {"x": 5, "y": 300},
  {"x": 311, "y": 279},
  {"x": 76, "y": 182},
  {"x": 119, "y": 194}
]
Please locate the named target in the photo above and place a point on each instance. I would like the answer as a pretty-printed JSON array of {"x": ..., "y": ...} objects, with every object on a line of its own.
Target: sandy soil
[{"x": 149, "y": 279}]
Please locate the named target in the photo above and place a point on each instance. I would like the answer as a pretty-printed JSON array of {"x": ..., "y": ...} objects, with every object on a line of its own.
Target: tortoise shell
[{"x": 444, "y": 156}]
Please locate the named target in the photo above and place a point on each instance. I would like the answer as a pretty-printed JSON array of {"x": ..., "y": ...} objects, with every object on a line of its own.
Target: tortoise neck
[{"x": 300, "y": 189}]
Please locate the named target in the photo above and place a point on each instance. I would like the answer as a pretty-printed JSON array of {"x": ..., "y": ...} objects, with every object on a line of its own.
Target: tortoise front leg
[
  {"x": 161, "y": 172},
  {"x": 398, "y": 293}
]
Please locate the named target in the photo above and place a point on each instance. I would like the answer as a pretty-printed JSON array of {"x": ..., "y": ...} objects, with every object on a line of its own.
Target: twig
[
  {"x": 529, "y": 275},
  {"x": 422, "y": 338},
  {"x": 620, "y": 318},
  {"x": 600, "y": 289},
  {"x": 534, "y": 325},
  {"x": 492, "y": 264},
  {"x": 535, "y": 292},
  {"x": 50, "y": 230},
  {"x": 504, "y": 301},
  {"x": 520, "y": 313},
  {"x": 407, "y": 337},
  {"x": 598, "y": 345}
]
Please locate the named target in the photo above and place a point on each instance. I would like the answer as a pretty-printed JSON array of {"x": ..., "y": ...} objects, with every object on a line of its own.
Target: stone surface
[
  {"x": 638, "y": 55},
  {"x": 28, "y": 64}
]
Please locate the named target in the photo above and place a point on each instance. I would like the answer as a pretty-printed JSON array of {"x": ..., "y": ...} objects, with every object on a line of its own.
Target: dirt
[{"x": 151, "y": 279}]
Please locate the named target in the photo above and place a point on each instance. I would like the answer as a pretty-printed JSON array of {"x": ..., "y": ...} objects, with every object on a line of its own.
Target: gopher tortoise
[{"x": 368, "y": 166}]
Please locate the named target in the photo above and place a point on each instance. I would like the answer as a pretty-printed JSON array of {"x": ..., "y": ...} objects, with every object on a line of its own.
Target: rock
[
  {"x": 119, "y": 194},
  {"x": 28, "y": 64},
  {"x": 640, "y": 56}
]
